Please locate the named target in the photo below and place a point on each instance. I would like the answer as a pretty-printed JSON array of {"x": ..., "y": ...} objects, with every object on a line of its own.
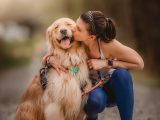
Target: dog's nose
[{"x": 63, "y": 31}]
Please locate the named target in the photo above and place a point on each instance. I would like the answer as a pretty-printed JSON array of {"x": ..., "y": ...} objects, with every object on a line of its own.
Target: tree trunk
[{"x": 146, "y": 29}]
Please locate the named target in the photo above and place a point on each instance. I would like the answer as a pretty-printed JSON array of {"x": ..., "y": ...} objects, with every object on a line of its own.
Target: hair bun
[{"x": 110, "y": 32}]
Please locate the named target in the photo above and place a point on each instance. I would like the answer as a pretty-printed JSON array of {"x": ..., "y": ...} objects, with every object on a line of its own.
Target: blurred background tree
[{"x": 146, "y": 27}]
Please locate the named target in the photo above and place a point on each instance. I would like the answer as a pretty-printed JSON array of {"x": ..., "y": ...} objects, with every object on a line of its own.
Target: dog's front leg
[{"x": 53, "y": 112}]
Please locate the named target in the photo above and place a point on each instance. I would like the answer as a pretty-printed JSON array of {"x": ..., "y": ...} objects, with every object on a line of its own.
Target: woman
[{"x": 98, "y": 34}]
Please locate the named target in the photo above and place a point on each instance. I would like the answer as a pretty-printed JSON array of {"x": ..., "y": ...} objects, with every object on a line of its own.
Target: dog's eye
[
  {"x": 56, "y": 27},
  {"x": 69, "y": 24}
]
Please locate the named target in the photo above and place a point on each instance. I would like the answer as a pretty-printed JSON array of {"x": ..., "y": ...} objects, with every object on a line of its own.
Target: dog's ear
[
  {"x": 49, "y": 34},
  {"x": 49, "y": 38}
]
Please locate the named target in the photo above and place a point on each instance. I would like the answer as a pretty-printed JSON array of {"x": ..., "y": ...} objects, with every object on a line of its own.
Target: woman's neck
[{"x": 91, "y": 44}]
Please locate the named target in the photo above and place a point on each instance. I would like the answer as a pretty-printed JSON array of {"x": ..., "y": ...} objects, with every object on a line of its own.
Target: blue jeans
[{"x": 118, "y": 91}]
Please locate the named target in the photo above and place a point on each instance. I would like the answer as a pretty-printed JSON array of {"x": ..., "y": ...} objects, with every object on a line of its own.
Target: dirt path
[
  {"x": 12, "y": 85},
  {"x": 146, "y": 107},
  {"x": 14, "y": 82}
]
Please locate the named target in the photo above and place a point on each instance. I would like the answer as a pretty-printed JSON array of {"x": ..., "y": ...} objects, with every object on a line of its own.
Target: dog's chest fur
[{"x": 64, "y": 88}]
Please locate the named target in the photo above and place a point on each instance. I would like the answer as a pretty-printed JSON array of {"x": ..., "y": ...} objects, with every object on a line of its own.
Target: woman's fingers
[
  {"x": 63, "y": 69},
  {"x": 58, "y": 71},
  {"x": 90, "y": 64},
  {"x": 94, "y": 64},
  {"x": 56, "y": 68},
  {"x": 60, "y": 68},
  {"x": 90, "y": 67},
  {"x": 90, "y": 61}
]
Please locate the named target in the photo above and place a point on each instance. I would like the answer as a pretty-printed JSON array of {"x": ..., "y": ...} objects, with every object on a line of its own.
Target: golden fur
[{"x": 62, "y": 98}]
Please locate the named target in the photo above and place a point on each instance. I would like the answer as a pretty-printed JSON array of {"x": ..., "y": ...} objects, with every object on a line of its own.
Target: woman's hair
[{"x": 99, "y": 25}]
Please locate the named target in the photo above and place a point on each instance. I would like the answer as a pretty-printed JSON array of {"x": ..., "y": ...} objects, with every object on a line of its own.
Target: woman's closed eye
[{"x": 78, "y": 29}]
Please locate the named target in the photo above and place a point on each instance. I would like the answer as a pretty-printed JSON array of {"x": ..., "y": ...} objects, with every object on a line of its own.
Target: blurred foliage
[
  {"x": 145, "y": 79},
  {"x": 146, "y": 27},
  {"x": 13, "y": 54},
  {"x": 16, "y": 53}
]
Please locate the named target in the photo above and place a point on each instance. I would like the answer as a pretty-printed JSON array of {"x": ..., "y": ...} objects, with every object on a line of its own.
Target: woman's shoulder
[{"x": 111, "y": 45}]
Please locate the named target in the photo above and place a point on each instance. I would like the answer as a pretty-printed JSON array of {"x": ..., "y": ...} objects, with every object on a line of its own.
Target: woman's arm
[
  {"x": 52, "y": 60},
  {"x": 126, "y": 57}
]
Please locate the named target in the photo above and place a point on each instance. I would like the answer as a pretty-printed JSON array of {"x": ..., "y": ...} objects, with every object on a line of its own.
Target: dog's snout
[{"x": 63, "y": 31}]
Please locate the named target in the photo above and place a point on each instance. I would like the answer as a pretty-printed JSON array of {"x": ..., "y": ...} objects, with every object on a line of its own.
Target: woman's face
[{"x": 80, "y": 32}]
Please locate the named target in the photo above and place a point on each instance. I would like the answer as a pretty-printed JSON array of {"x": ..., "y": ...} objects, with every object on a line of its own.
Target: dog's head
[{"x": 60, "y": 34}]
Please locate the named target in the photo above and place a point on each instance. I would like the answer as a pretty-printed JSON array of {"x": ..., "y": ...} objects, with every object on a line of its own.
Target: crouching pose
[{"x": 108, "y": 59}]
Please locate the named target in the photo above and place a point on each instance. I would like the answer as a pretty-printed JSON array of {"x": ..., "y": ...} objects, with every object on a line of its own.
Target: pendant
[{"x": 74, "y": 69}]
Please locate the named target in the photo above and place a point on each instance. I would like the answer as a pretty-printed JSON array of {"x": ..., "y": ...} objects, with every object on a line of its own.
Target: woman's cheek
[{"x": 75, "y": 37}]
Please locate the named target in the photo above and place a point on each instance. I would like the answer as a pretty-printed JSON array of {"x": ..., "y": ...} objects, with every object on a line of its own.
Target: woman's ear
[{"x": 93, "y": 37}]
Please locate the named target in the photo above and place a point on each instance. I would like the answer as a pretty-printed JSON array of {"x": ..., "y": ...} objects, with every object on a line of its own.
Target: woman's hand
[
  {"x": 55, "y": 64},
  {"x": 96, "y": 64}
]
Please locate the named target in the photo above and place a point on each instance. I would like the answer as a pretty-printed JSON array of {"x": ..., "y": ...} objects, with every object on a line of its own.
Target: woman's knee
[
  {"x": 96, "y": 101},
  {"x": 121, "y": 75}
]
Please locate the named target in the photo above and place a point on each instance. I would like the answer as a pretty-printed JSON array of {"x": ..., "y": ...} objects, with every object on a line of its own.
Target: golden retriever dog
[{"x": 62, "y": 99}]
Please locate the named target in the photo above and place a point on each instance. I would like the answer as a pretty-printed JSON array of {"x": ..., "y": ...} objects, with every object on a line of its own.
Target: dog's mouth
[{"x": 65, "y": 42}]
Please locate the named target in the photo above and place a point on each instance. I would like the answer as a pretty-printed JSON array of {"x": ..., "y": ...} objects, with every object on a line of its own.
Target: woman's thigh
[
  {"x": 96, "y": 101},
  {"x": 109, "y": 90},
  {"x": 120, "y": 79}
]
